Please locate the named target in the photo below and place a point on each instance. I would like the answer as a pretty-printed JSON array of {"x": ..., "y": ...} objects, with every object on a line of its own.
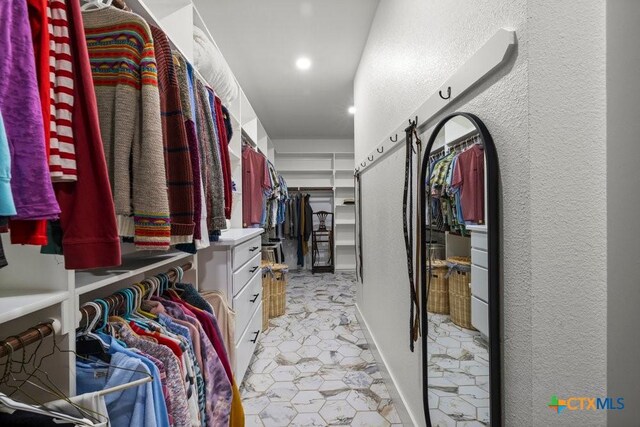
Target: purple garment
[
  {"x": 217, "y": 386},
  {"x": 22, "y": 112}
]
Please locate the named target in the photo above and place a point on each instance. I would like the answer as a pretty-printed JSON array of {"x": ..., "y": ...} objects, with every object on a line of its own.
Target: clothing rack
[
  {"x": 117, "y": 299},
  {"x": 30, "y": 336}
]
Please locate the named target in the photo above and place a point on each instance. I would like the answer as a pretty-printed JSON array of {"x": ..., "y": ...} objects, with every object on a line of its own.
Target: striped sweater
[
  {"x": 125, "y": 78},
  {"x": 62, "y": 154}
]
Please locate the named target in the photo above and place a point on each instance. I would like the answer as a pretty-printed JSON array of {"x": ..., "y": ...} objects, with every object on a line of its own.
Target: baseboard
[{"x": 396, "y": 396}]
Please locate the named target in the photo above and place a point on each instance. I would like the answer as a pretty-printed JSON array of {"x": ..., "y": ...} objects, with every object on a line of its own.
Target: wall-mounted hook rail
[
  {"x": 490, "y": 57},
  {"x": 380, "y": 149},
  {"x": 448, "y": 93},
  {"x": 363, "y": 164}
]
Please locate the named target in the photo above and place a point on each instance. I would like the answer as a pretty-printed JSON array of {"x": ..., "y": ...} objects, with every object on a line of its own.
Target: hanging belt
[
  {"x": 357, "y": 184},
  {"x": 407, "y": 224}
]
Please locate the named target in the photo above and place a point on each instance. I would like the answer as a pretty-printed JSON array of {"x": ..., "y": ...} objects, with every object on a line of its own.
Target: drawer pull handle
[
  {"x": 255, "y": 298},
  {"x": 253, "y": 249},
  {"x": 253, "y": 269},
  {"x": 253, "y": 341}
]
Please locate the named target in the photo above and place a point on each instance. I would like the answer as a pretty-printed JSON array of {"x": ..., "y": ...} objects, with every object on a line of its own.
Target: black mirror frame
[{"x": 493, "y": 249}]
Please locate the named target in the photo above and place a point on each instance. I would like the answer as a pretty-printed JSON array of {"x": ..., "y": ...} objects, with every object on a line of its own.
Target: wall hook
[
  {"x": 363, "y": 164},
  {"x": 357, "y": 170},
  {"x": 448, "y": 93},
  {"x": 394, "y": 140},
  {"x": 380, "y": 150},
  {"x": 370, "y": 158}
]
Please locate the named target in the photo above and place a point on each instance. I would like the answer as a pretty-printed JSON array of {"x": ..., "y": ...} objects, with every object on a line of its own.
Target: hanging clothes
[
  {"x": 86, "y": 243},
  {"x": 212, "y": 176},
  {"x": 255, "y": 180},
  {"x": 177, "y": 158},
  {"x": 7, "y": 206},
  {"x": 469, "y": 178},
  {"x": 21, "y": 109},
  {"x": 132, "y": 138},
  {"x": 62, "y": 152},
  {"x": 223, "y": 140},
  {"x": 187, "y": 100}
]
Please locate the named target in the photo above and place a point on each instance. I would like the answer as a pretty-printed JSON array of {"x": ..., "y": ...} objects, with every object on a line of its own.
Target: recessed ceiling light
[
  {"x": 352, "y": 110},
  {"x": 303, "y": 63}
]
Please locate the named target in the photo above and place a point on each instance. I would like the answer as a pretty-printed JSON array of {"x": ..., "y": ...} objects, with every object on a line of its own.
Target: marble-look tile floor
[
  {"x": 313, "y": 366},
  {"x": 458, "y": 364}
]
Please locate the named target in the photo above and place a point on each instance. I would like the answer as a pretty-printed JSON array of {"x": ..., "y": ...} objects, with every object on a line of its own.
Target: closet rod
[
  {"x": 28, "y": 337},
  {"x": 488, "y": 58},
  {"x": 87, "y": 311},
  {"x": 310, "y": 188}
]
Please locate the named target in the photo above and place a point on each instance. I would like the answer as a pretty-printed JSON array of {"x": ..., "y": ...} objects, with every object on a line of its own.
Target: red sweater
[
  {"x": 88, "y": 218},
  {"x": 224, "y": 158}
]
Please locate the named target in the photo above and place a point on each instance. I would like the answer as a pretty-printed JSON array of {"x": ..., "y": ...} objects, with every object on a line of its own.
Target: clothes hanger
[
  {"x": 19, "y": 406},
  {"x": 47, "y": 385},
  {"x": 98, "y": 4}
]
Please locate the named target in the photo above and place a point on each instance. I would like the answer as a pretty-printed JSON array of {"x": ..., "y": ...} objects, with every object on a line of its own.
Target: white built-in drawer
[
  {"x": 479, "y": 240},
  {"x": 479, "y": 258},
  {"x": 245, "y": 273},
  {"x": 480, "y": 315},
  {"x": 246, "y": 303},
  {"x": 247, "y": 344},
  {"x": 245, "y": 251},
  {"x": 480, "y": 282}
]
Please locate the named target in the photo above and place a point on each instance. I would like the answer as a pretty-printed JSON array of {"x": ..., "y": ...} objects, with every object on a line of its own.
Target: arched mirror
[{"x": 460, "y": 280}]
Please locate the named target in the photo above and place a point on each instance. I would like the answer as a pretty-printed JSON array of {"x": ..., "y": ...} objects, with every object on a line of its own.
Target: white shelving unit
[
  {"x": 327, "y": 170},
  {"x": 36, "y": 287}
]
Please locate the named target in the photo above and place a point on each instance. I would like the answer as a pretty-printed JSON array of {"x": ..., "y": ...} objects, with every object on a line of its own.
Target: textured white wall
[{"x": 553, "y": 245}]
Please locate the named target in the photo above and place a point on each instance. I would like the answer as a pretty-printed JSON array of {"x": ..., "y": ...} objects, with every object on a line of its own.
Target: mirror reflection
[{"x": 457, "y": 278}]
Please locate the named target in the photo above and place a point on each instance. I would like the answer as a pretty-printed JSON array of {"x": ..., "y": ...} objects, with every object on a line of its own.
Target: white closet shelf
[
  {"x": 304, "y": 155},
  {"x": 21, "y": 302},
  {"x": 345, "y": 205},
  {"x": 132, "y": 265},
  {"x": 345, "y": 222},
  {"x": 344, "y": 186},
  {"x": 346, "y": 267},
  {"x": 346, "y": 244},
  {"x": 306, "y": 171}
]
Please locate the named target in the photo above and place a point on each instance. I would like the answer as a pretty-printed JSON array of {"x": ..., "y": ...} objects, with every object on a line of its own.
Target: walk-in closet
[{"x": 292, "y": 213}]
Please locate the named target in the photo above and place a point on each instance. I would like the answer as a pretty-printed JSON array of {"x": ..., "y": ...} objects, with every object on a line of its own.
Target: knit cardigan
[
  {"x": 214, "y": 185},
  {"x": 124, "y": 72},
  {"x": 177, "y": 160},
  {"x": 192, "y": 138}
]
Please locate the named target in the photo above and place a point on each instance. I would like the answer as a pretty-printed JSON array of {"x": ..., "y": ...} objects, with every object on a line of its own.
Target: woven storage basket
[
  {"x": 438, "y": 298},
  {"x": 460, "y": 291},
  {"x": 278, "y": 297},
  {"x": 266, "y": 296}
]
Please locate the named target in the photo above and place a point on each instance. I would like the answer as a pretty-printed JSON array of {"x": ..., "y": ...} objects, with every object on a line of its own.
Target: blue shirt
[
  {"x": 130, "y": 407},
  {"x": 7, "y": 207},
  {"x": 160, "y": 406}
]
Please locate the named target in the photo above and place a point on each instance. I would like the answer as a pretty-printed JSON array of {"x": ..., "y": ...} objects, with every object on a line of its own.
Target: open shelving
[{"x": 332, "y": 172}]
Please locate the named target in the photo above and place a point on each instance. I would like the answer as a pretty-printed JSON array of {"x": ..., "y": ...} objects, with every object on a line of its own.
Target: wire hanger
[{"x": 98, "y": 4}]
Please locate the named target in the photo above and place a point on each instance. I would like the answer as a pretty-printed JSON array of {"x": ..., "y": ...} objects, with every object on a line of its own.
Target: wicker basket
[
  {"x": 266, "y": 296},
  {"x": 438, "y": 298},
  {"x": 460, "y": 291},
  {"x": 278, "y": 296}
]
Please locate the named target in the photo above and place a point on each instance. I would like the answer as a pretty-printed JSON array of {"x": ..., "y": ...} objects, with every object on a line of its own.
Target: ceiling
[{"x": 261, "y": 40}]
